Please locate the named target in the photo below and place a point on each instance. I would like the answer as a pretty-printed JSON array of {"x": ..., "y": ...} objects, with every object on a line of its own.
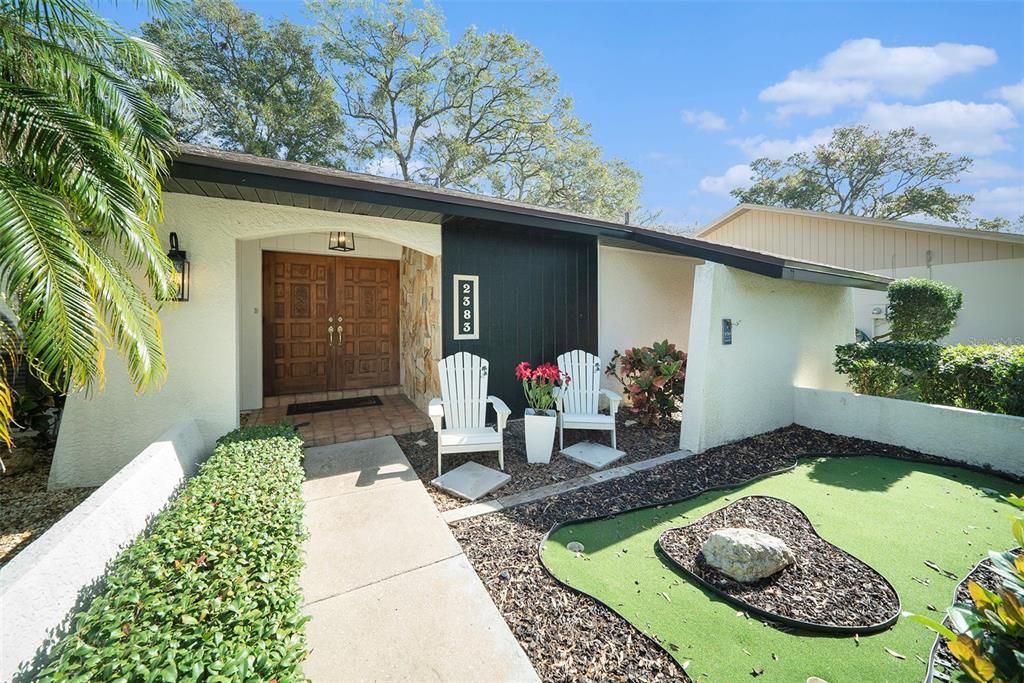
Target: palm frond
[
  {"x": 83, "y": 147},
  {"x": 132, "y": 321},
  {"x": 9, "y": 357},
  {"x": 58, "y": 147},
  {"x": 43, "y": 271}
]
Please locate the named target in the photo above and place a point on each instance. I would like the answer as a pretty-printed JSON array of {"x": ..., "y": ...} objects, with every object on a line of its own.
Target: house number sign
[{"x": 467, "y": 307}]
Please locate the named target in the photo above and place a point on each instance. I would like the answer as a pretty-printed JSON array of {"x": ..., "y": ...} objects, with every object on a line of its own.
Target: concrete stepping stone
[
  {"x": 471, "y": 481},
  {"x": 594, "y": 454}
]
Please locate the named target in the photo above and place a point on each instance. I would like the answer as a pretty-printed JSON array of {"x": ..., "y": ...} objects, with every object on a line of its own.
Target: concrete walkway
[{"x": 391, "y": 596}]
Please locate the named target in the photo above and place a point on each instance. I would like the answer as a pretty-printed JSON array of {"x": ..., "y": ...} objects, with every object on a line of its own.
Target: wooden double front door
[{"x": 329, "y": 323}]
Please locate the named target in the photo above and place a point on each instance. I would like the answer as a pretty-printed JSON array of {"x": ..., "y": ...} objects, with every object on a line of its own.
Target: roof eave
[
  {"x": 245, "y": 170},
  {"x": 823, "y": 275}
]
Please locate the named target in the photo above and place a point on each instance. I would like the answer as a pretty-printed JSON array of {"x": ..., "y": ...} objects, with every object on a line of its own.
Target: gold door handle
[{"x": 330, "y": 333}]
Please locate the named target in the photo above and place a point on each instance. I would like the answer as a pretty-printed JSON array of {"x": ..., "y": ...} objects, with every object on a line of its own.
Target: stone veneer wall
[{"x": 420, "y": 325}]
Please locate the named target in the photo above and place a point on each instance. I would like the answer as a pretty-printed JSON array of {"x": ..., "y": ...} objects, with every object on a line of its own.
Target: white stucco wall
[
  {"x": 99, "y": 434},
  {"x": 784, "y": 333},
  {"x": 643, "y": 297},
  {"x": 993, "y": 311},
  {"x": 971, "y": 436},
  {"x": 42, "y": 585}
]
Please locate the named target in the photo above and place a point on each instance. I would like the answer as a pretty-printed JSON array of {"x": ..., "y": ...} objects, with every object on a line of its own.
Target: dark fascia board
[
  {"x": 250, "y": 171},
  {"x": 385, "y": 195}
]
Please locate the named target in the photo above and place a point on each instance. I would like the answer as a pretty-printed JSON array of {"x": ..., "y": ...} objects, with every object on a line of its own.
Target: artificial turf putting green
[{"x": 892, "y": 514}]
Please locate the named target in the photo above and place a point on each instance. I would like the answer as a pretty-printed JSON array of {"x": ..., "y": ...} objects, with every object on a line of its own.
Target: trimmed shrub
[
  {"x": 890, "y": 368},
  {"x": 922, "y": 310},
  {"x": 654, "y": 378},
  {"x": 981, "y": 377},
  {"x": 211, "y": 592}
]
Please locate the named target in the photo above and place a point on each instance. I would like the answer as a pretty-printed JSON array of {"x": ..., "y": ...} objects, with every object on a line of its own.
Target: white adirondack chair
[
  {"x": 462, "y": 408},
  {"x": 577, "y": 401}
]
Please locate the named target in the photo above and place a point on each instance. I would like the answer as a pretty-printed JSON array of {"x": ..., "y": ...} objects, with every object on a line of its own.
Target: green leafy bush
[
  {"x": 987, "y": 634},
  {"x": 211, "y": 592},
  {"x": 892, "y": 368},
  {"x": 654, "y": 378},
  {"x": 922, "y": 310},
  {"x": 981, "y": 377},
  {"x": 912, "y": 366}
]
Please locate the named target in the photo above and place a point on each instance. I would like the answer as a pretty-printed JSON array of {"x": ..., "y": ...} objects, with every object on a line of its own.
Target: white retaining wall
[
  {"x": 41, "y": 587},
  {"x": 970, "y": 436},
  {"x": 784, "y": 333}
]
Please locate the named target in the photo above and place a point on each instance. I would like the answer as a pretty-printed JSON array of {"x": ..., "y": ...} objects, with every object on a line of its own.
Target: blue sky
[{"x": 690, "y": 92}]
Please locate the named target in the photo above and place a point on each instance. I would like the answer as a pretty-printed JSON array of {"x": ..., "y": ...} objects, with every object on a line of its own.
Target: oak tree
[
  {"x": 864, "y": 173},
  {"x": 259, "y": 87},
  {"x": 483, "y": 113}
]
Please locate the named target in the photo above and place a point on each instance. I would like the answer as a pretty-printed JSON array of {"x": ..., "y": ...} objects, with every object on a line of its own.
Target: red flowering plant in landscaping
[
  {"x": 653, "y": 377},
  {"x": 539, "y": 384}
]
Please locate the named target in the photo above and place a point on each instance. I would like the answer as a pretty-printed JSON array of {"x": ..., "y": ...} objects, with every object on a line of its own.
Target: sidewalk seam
[{"x": 382, "y": 579}]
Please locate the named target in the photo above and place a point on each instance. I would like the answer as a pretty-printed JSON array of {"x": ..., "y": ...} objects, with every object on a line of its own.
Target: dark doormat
[{"x": 337, "y": 404}]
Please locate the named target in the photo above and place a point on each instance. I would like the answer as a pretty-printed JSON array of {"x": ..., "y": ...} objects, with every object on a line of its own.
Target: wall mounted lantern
[
  {"x": 179, "y": 259},
  {"x": 342, "y": 241}
]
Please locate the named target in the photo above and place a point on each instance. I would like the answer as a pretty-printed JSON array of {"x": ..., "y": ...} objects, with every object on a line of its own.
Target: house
[
  {"x": 272, "y": 311},
  {"x": 987, "y": 266}
]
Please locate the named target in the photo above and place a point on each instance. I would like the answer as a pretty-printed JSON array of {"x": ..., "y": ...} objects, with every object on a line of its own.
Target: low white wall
[
  {"x": 204, "y": 339},
  {"x": 992, "y": 311},
  {"x": 970, "y": 436},
  {"x": 41, "y": 587},
  {"x": 784, "y": 333},
  {"x": 643, "y": 297}
]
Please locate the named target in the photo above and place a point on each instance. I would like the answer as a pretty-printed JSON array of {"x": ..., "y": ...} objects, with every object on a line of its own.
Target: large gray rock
[{"x": 746, "y": 554}]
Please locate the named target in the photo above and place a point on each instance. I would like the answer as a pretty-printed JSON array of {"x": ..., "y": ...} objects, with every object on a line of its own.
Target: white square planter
[{"x": 540, "y": 435}]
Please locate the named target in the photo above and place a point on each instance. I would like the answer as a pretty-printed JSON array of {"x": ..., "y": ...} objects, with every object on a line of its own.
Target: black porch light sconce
[
  {"x": 179, "y": 259},
  {"x": 342, "y": 241}
]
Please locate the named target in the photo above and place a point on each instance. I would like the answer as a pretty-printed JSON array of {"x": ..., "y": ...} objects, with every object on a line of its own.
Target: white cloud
[
  {"x": 864, "y": 69},
  {"x": 987, "y": 169},
  {"x": 1007, "y": 202},
  {"x": 1013, "y": 95},
  {"x": 958, "y": 127},
  {"x": 735, "y": 176},
  {"x": 744, "y": 115},
  {"x": 758, "y": 146},
  {"x": 704, "y": 120},
  {"x": 665, "y": 159}
]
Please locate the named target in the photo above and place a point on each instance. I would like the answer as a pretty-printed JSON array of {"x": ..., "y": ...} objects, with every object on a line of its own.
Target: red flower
[
  {"x": 523, "y": 371},
  {"x": 546, "y": 372}
]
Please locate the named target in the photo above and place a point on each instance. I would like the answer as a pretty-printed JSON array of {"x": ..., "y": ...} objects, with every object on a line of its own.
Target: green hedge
[
  {"x": 212, "y": 591},
  {"x": 982, "y": 377},
  {"x": 891, "y": 368}
]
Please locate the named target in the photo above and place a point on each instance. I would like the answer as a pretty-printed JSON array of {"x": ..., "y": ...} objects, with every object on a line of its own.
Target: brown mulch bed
[
  {"x": 27, "y": 509},
  {"x": 569, "y": 636},
  {"x": 945, "y": 665},
  {"x": 826, "y": 586},
  {"x": 639, "y": 443}
]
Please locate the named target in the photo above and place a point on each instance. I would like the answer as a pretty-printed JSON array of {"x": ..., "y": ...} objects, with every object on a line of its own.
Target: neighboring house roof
[
  {"x": 206, "y": 171},
  {"x": 950, "y": 230}
]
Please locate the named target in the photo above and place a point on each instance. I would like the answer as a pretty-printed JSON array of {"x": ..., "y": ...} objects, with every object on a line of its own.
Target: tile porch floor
[{"x": 396, "y": 415}]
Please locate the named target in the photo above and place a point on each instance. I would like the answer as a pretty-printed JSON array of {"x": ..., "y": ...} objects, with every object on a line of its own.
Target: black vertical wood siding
[{"x": 538, "y": 296}]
